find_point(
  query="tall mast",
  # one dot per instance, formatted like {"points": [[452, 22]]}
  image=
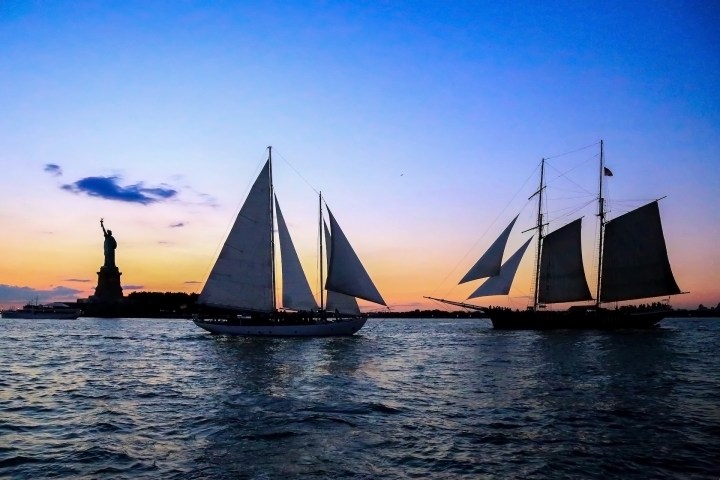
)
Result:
{"points": [[540, 234], [272, 233], [322, 299], [601, 215]]}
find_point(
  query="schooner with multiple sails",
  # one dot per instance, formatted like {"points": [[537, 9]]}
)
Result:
{"points": [[632, 264], [240, 295]]}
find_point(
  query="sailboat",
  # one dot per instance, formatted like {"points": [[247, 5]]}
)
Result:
{"points": [[632, 264], [240, 294]]}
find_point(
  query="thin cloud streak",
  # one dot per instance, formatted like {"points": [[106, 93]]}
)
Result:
{"points": [[14, 294]]}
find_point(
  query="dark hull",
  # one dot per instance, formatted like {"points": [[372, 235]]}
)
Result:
{"points": [[580, 319]]}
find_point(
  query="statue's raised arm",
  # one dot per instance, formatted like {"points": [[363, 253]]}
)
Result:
{"points": [[109, 246]]}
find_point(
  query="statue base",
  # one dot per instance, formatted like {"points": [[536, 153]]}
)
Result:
{"points": [[108, 288]]}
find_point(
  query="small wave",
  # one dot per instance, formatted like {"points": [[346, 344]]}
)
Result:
{"points": [[324, 418], [382, 408], [270, 436], [96, 454], [363, 409], [18, 460]]}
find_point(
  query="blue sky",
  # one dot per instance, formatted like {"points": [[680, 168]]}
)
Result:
{"points": [[418, 120]]}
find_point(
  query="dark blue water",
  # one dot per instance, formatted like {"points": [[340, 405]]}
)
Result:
{"points": [[136, 398]]}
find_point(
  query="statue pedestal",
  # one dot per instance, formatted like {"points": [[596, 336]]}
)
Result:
{"points": [[108, 288]]}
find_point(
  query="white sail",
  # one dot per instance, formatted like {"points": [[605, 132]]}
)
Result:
{"points": [[345, 272], [338, 301], [490, 263], [500, 284], [562, 276], [296, 292], [242, 276], [635, 261]]}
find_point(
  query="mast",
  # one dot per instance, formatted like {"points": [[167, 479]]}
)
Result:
{"points": [[540, 234], [601, 215], [272, 234], [320, 233]]}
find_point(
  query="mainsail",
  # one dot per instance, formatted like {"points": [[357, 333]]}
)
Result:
{"points": [[501, 283], [562, 276], [296, 292], [345, 272], [489, 265], [635, 260], [338, 301], [242, 276]]}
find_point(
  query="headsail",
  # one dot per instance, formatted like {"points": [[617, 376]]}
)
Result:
{"points": [[338, 301], [242, 275], [345, 272], [500, 284], [296, 292], [635, 260], [562, 276], [490, 263]]}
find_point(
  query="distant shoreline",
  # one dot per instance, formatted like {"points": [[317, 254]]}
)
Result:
{"points": [[183, 305]]}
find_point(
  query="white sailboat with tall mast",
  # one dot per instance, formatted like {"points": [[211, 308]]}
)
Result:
{"points": [[239, 297], [632, 264]]}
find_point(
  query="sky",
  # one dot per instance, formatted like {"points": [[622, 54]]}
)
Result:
{"points": [[422, 122]]}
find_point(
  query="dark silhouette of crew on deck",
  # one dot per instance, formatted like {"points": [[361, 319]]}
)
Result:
{"points": [[109, 246]]}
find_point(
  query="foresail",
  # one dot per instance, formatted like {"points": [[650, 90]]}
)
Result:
{"points": [[490, 263], [338, 301], [345, 272], [296, 292], [242, 275], [562, 276], [635, 261], [501, 283]]}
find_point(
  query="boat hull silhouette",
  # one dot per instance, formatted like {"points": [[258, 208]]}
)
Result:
{"points": [[332, 328], [575, 319]]}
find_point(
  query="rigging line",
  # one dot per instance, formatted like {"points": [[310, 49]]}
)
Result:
{"points": [[561, 174], [561, 213], [573, 151], [296, 171]]}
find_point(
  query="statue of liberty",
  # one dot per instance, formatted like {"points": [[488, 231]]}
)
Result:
{"points": [[109, 246]]}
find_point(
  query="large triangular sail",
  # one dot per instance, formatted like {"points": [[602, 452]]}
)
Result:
{"points": [[500, 284], [338, 301], [562, 276], [296, 292], [635, 260], [490, 263], [242, 276], [345, 272]]}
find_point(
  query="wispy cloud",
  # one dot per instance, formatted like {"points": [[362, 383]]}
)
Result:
{"points": [[53, 169], [112, 188], [133, 287], [109, 188], [82, 280], [192, 282]]}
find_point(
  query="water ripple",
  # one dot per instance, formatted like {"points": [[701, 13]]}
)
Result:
{"points": [[135, 398]]}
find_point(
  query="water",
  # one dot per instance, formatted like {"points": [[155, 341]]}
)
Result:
{"points": [[136, 398]]}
